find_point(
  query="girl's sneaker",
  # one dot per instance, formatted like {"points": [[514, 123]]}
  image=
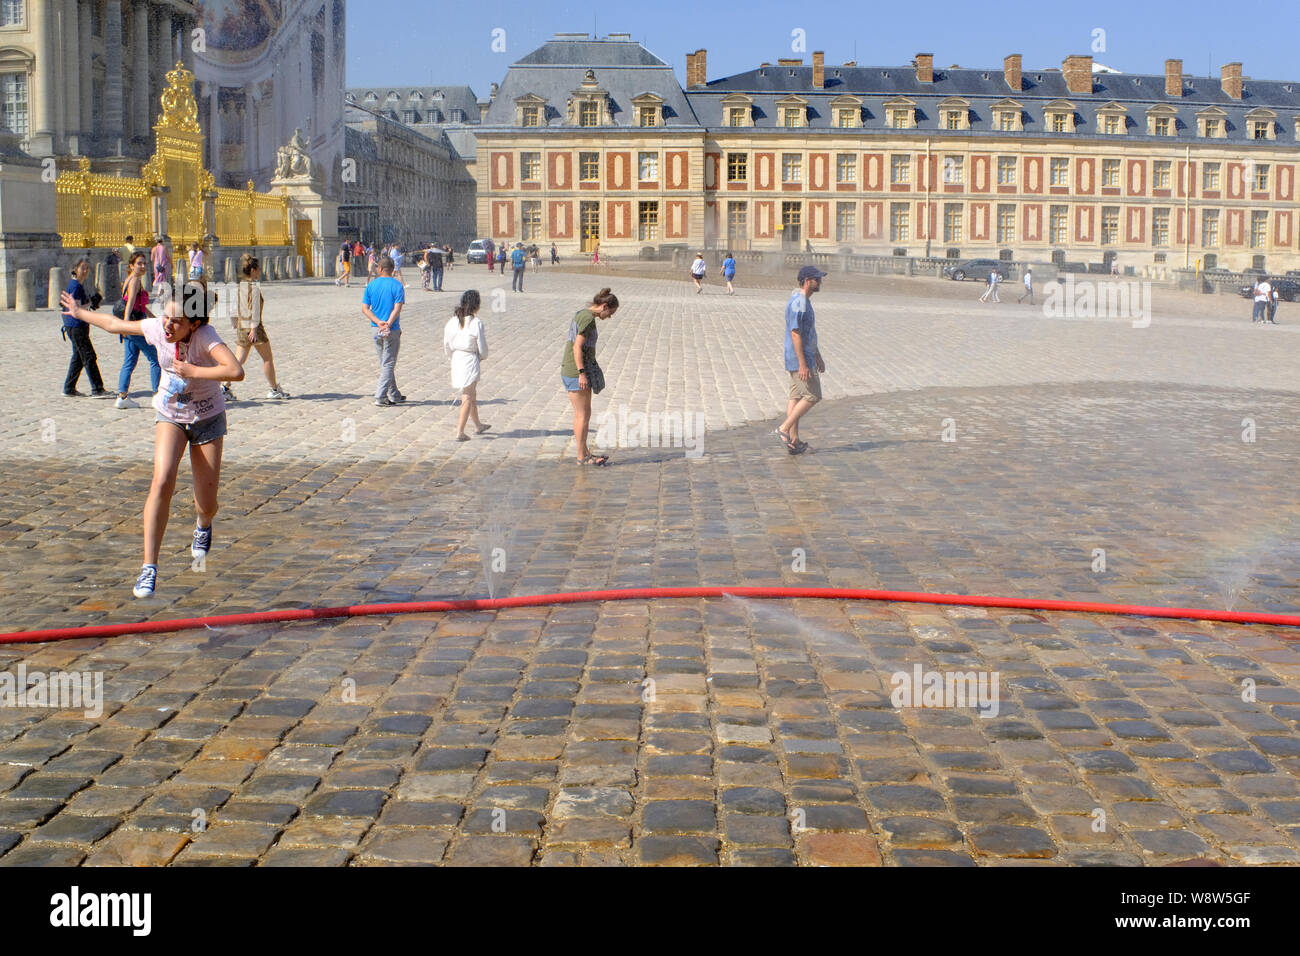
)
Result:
{"points": [[277, 392], [202, 542], [146, 582], [228, 393]]}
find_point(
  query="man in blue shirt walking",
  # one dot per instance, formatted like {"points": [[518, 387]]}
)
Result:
{"points": [[382, 305], [803, 362], [517, 259]]}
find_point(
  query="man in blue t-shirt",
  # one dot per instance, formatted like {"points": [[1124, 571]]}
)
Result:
{"points": [[803, 361], [382, 305], [517, 259]]}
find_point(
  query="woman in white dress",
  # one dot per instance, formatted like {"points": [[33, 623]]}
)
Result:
{"points": [[466, 343]]}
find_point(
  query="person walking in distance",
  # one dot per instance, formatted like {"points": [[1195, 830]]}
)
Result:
{"points": [[425, 275], [436, 265], [490, 258], [196, 261], [729, 272], [382, 305], [1272, 304], [698, 269], [250, 333], [136, 300], [595, 255], [580, 373], [1029, 286], [344, 279], [451, 259], [83, 351], [502, 256], [555, 255], [465, 342], [517, 263], [803, 360], [162, 264], [994, 278], [1263, 295], [190, 411]]}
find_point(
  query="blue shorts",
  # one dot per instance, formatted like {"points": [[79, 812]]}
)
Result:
{"points": [[570, 384]]}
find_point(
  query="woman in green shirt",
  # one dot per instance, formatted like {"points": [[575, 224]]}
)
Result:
{"points": [[579, 351]]}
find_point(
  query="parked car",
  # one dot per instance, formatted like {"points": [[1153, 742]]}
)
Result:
{"points": [[477, 252], [1288, 290], [975, 269]]}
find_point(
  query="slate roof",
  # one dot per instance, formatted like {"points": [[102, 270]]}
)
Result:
{"points": [[983, 88], [624, 69], [424, 99]]}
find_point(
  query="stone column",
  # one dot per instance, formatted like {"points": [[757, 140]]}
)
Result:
{"points": [[187, 43], [113, 119], [214, 124], [87, 75], [44, 114], [159, 52], [140, 91]]}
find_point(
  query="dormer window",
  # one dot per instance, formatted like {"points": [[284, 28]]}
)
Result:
{"points": [[458, 116], [1212, 123], [955, 113], [900, 113], [1008, 116], [589, 113], [530, 110], [1060, 116], [794, 111], [371, 97], [738, 110], [1112, 119], [649, 109], [1161, 120], [847, 111], [1261, 123]]}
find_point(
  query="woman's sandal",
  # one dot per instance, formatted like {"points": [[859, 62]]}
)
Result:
{"points": [[594, 460], [481, 429]]}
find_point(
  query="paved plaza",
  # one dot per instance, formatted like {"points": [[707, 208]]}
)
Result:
{"points": [[964, 447]]}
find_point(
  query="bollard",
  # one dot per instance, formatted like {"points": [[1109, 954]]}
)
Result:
{"points": [[292, 267], [299, 267], [101, 278], [268, 269], [25, 291], [230, 270], [57, 284], [282, 266]]}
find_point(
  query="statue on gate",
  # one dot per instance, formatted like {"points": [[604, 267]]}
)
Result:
{"points": [[292, 160]]}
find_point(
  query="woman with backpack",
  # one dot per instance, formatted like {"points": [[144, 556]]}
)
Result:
{"points": [[134, 309], [249, 332], [465, 342], [190, 411]]}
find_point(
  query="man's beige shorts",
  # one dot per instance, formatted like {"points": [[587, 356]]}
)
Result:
{"points": [[809, 391], [244, 337]]}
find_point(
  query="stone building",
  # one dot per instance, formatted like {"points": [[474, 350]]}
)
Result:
{"points": [[267, 70], [409, 187], [83, 77], [425, 109], [591, 141], [595, 140]]}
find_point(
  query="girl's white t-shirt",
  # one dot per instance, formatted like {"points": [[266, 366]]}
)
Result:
{"points": [[185, 400], [697, 267]]}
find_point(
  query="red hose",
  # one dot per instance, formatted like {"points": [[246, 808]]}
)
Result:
{"points": [[640, 594]]}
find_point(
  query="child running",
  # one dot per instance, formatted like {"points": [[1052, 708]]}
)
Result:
{"points": [[191, 411]]}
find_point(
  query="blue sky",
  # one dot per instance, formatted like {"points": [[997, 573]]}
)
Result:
{"points": [[451, 41]]}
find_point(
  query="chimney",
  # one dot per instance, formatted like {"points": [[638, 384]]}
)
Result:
{"points": [[796, 61], [1078, 73], [695, 69], [1231, 79], [819, 70], [925, 68], [1011, 71], [1173, 77]]}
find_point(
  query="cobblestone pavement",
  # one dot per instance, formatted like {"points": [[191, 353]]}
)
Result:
{"points": [[675, 732]]}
